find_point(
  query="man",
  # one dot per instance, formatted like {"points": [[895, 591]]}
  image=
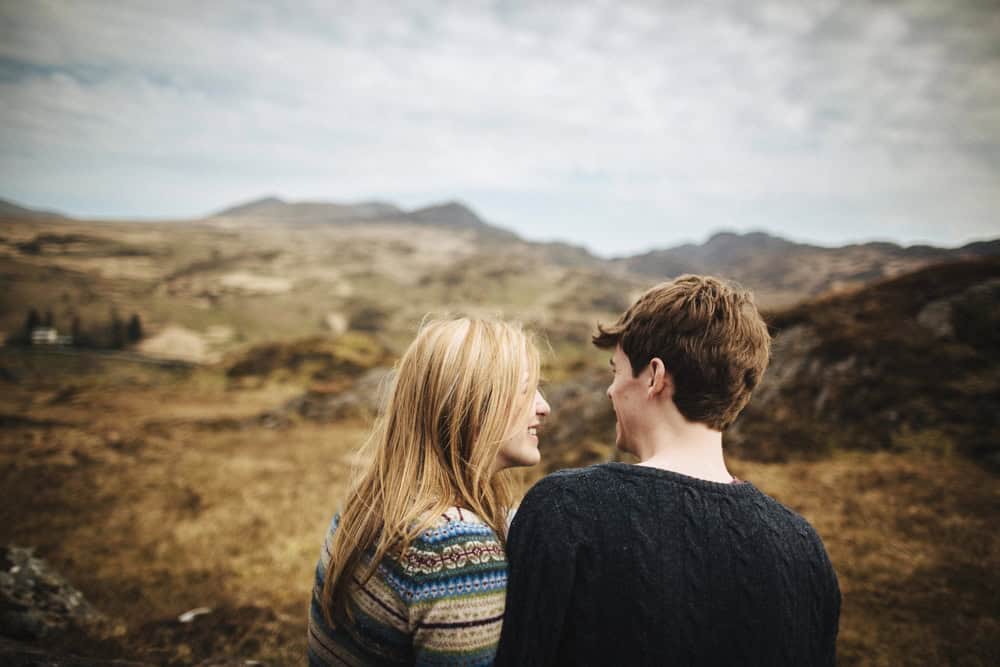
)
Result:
{"points": [[673, 560]]}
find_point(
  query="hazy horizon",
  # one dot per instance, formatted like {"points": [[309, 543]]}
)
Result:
{"points": [[703, 238], [622, 127]]}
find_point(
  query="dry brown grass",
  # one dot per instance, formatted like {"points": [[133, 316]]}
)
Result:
{"points": [[142, 504], [133, 488], [914, 543]]}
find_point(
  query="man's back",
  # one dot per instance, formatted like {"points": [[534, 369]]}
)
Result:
{"points": [[623, 564]]}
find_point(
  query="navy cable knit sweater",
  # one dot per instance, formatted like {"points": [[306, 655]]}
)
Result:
{"points": [[619, 564]]}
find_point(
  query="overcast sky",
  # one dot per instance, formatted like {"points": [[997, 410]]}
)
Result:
{"points": [[621, 126]]}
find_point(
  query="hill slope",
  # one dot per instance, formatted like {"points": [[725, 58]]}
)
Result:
{"points": [[911, 363], [12, 210], [908, 363], [782, 272]]}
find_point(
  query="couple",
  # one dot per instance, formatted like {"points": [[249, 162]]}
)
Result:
{"points": [[670, 561]]}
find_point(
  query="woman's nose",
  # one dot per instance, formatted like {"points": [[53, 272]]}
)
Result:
{"points": [[541, 405]]}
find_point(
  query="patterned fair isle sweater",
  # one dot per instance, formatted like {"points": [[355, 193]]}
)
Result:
{"points": [[440, 603]]}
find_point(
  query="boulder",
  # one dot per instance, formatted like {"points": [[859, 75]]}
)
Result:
{"points": [[18, 654], [35, 601], [361, 399]]}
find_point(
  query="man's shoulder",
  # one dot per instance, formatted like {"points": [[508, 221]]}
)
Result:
{"points": [[791, 530], [569, 489], [558, 510], [777, 512], [570, 480]]}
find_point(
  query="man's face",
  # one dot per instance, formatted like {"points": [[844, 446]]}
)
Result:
{"points": [[628, 396]]}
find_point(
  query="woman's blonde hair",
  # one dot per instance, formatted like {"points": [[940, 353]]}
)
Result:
{"points": [[458, 392]]}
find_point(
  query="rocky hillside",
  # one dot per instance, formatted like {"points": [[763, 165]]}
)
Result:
{"points": [[203, 289], [271, 270], [174, 469], [782, 272], [911, 363]]}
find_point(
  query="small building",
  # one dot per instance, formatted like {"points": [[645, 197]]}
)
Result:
{"points": [[49, 336], [44, 336]]}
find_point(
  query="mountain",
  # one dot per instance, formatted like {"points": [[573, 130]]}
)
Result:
{"points": [[254, 207], [982, 248], [447, 214], [451, 251], [272, 270], [9, 209], [269, 208], [450, 214], [782, 272], [457, 215]]}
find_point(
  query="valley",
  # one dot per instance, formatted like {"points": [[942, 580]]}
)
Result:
{"points": [[199, 466]]}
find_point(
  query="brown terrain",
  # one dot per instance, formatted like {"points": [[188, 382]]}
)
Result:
{"points": [[199, 467]]}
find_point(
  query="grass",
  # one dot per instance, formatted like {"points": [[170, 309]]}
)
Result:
{"points": [[126, 488], [156, 490], [911, 537]]}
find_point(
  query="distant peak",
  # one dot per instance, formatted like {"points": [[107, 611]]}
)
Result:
{"points": [[453, 213], [251, 206], [10, 208], [265, 200], [451, 205], [312, 210], [746, 236]]}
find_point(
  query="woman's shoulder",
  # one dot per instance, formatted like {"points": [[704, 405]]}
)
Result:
{"points": [[456, 540], [456, 522]]}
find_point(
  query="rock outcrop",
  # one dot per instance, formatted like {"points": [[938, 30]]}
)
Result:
{"points": [[361, 399], [909, 363], [36, 602]]}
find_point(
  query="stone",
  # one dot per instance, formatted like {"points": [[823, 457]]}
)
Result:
{"points": [[34, 600]]}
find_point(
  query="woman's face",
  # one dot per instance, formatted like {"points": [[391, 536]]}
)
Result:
{"points": [[521, 448]]}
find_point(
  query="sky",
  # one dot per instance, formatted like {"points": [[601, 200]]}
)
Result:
{"points": [[621, 126]]}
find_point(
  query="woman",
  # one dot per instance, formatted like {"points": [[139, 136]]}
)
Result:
{"points": [[413, 570]]}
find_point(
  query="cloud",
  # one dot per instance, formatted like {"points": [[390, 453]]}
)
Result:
{"points": [[796, 116]]}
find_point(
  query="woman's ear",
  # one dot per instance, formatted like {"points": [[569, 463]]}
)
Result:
{"points": [[660, 381]]}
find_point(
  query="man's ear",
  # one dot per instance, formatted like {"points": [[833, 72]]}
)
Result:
{"points": [[660, 381]]}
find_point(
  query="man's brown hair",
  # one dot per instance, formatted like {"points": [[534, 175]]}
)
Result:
{"points": [[709, 336]]}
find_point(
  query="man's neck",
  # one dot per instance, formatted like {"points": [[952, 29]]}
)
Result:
{"points": [[689, 449]]}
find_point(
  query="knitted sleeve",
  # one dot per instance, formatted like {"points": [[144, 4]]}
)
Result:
{"points": [[830, 610], [455, 577], [541, 568]]}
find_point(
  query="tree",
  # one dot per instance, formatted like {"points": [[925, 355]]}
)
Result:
{"points": [[117, 332], [134, 329], [76, 331], [31, 323]]}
